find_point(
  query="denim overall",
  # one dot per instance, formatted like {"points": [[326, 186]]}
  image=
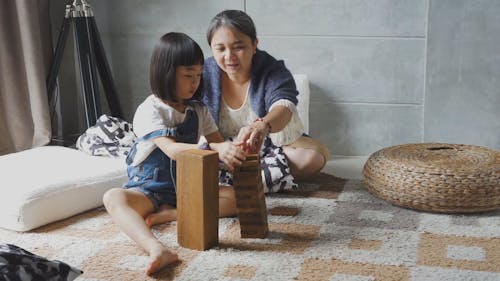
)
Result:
{"points": [[156, 176]]}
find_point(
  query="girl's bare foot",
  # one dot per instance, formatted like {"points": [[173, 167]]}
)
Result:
{"points": [[160, 257], [165, 213]]}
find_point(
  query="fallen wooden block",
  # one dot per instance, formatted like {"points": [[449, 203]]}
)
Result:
{"points": [[284, 211], [198, 199], [250, 200]]}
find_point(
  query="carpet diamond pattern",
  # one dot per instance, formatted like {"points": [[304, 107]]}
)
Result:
{"points": [[331, 229]]}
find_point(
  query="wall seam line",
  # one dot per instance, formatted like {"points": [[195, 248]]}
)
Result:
{"points": [[424, 94]]}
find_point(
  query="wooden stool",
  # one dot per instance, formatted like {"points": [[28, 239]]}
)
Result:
{"points": [[250, 200], [198, 199]]}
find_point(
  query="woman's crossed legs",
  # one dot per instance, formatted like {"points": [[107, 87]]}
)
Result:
{"points": [[306, 157]]}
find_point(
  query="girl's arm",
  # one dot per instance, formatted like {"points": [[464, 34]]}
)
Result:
{"points": [[231, 153], [172, 148]]}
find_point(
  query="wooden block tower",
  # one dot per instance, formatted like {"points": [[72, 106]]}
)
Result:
{"points": [[250, 200], [198, 199]]}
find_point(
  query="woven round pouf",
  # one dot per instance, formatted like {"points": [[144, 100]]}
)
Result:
{"points": [[436, 177]]}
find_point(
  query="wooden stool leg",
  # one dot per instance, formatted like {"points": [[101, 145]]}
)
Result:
{"points": [[198, 199], [250, 200]]}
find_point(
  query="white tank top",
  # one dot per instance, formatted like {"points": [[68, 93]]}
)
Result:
{"points": [[232, 119]]}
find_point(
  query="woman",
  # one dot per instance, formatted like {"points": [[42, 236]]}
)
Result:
{"points": [[252, 95]]}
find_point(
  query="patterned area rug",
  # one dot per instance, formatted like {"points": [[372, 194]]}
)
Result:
{"points": [[331, 230]]}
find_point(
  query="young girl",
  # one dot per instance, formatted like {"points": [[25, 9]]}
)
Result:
{"points": [[169, 121]]}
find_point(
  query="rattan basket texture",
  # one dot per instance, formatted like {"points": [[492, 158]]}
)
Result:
{"points": [[436, 177]]}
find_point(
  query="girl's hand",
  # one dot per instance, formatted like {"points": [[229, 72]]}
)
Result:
{"points": [[231, 153], [253, 135]]}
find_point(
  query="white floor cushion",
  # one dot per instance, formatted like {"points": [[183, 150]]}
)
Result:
{"points": [[50, 183]]}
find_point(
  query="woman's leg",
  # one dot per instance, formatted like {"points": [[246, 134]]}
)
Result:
{"points": [[167, 213], [227, 202], [128, 208], [306, 157]]}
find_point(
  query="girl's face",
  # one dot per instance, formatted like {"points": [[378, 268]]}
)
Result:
{"points": [[233, 51], [187, 80]]}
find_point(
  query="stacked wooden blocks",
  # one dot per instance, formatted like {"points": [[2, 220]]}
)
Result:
{"points": [[198, 199], [250, 200]]}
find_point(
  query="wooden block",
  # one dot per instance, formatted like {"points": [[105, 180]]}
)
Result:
{"points": [[250, 158], [284, 211], [250, 199], [198, 199]]}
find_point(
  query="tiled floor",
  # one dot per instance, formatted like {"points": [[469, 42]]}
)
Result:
{"points": [[349, 167]]}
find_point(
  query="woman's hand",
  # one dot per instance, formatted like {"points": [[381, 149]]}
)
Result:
{"points": [[253, 135], [231, 153]]}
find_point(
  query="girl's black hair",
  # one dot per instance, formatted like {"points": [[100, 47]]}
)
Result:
{"points": [[172, 50], [233, 19]]}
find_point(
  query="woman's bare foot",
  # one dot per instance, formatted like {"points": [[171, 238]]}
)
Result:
{"points": [[160, 257], [165, 213]]}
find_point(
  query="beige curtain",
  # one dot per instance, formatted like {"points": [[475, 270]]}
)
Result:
{"points": [[25, 53]]}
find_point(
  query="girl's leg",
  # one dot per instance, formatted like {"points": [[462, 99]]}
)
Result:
{"points": [[128, 208], [306, 157]]}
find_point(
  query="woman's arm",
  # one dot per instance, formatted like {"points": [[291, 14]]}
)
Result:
{"points": [[273, 82], [253, 135], [277, 118]]}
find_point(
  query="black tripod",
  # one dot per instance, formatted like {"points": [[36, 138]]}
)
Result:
{"points": [[90, 53]]}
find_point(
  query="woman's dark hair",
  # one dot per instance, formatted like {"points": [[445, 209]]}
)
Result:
{"points": [[172, 50], [233, 19]]}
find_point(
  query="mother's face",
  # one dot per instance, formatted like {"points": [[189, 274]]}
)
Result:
{"points": [[233, 51]]}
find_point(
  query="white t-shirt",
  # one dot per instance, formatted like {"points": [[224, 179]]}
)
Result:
{"points": [[153, 114], [231, 120]]}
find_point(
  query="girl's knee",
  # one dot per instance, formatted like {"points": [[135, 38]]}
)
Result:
{"points": [[112, 196]]}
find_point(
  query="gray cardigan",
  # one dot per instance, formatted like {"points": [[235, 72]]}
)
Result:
{"points": [[270, 81]]}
